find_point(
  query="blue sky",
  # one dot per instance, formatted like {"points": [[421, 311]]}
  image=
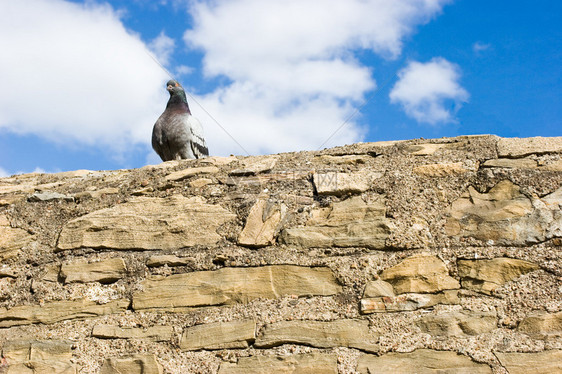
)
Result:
{"points": [[81, 91]]}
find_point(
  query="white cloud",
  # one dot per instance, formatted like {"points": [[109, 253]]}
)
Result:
{"points": [[3, 173], [294, 77], [479, 47], [163, 47], [73, 74], [425, 89]]}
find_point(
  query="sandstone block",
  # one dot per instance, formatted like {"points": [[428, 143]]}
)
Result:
{"points": [[340, 333], [169, 260], [541, 324], [49, 196], [440, 170], [421, 361], [420, 274], [337, 183], [234, 285], [105, 271], [38, 357], [407, 302], [42, 367], [219, 335], [262, 224], [254, 165], [510, 163], [459, 323], [378, 288], [134, 364], [147, 223], [156, 333], [57, 311], [349, 223], [11, 239], [519, 147], [189, 172], [532, 363], [487, 275], [310, 363]]}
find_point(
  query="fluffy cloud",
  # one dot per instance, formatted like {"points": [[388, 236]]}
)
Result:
{"points": [[73, 74], [292, 66], [425, 91], [162, 46]]}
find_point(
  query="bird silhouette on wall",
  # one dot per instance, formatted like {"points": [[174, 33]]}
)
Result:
{"points": [[177, 134]]}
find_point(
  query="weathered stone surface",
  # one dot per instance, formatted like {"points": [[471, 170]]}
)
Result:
{"points": [[532, 363], [200, 182], [420, 274], [105, 271], [219, 335], [425, 149], [311, 363], [147, 223], [542, 324], [343, 159], [57, 311], [169, 260], [234, 285], [96, 194], [340, 333], [458, 323], [189, 172], [407, 302], [421, 361], [510, 163], [505, 216], [156, 333], [134, 364], [519, 147], [262, 224], [350, 223], [378, 288], [38, 357], [337, 183], [11, 239], [440, 170], [254, 165], [49, 196], [487, 275]]}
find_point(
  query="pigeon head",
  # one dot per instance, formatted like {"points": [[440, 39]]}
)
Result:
{"points": [[173, 86], [177, 94]]}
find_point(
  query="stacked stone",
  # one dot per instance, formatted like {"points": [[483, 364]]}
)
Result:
{"points": [[394, 257]]}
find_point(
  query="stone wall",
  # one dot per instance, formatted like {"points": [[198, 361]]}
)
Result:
{"points": [[419, 256]]}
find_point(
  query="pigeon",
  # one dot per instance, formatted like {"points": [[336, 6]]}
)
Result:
{"points": [[177, 134]]}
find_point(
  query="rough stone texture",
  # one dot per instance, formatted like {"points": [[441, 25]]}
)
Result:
{"points": [[542, 324], [11, 239], [519, 147], [49, 196], [459, 323], [350, 223], [532, 363], [234, 285], [219, 335], [313, 363], [341, 333], [336, 183], [378, 288], [168, 260], [57, 311], [519, 163], [262, 224], [440, 170], [147, 223], [407, 302], [421, 361], [156, 333], [38, 357], [134, 364], [105, 271], [487, 275], [420, 274], [189, 172]]}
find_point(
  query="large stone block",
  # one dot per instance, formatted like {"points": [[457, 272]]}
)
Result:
{"points": [[105, 271], [234, 285], [337, 183], [57, 311], [349, 223], [460, 323], [531, 363], [12, 240], [421, 361], [219, 335], [156, 333], [262, 224], [311, 363], [340, 333], [487, 275], [519, 147], [541, 324], [134, 364], [147, 223], [408, 302], [38, 357]]}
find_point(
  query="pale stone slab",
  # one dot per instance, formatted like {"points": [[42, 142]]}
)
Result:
{"points": [[421, 361], [133, 364], [519, 147], [310, 363], [169, 260], [38, 357], [440, 170], [105, 271], [542, 324], [156, 333], [189, 172], [408, 302], [262, 224], [57, 311], [459, 323], [532, 363], [378, 288], [234, 285], [147, 223], [487, 275], [12, 240], [510, 163], [337, 183], [420, 274], [219, 335], [42, 367], [49, 196], [340, 333], [349, 223]]}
